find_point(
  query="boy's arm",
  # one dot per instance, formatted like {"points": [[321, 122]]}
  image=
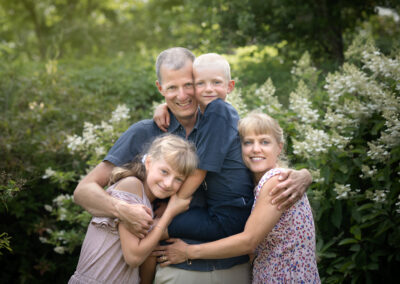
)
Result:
{"points": [[161, 117], [191, 184], [90, 194], [293, 184]]}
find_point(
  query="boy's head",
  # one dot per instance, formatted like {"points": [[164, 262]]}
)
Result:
{"points": [[212, 78]]}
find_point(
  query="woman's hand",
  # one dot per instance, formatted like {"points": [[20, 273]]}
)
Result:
{"points": [[161, 117], [171, 254], [291, 188]]}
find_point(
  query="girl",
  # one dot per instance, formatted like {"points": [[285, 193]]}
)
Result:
{"points": [[284, 242], [110, 253]]}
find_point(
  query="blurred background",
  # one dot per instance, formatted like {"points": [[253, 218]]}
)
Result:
{"points": [[74, 74]]}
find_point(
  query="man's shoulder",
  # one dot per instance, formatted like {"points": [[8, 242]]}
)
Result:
{"points": [[143, 125]]}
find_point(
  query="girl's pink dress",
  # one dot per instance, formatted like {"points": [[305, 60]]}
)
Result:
{"points": [[287, 254], [101, 259]]}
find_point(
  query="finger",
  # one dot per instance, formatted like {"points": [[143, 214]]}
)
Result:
{"points": [[167, 120], [289, 202], [148, 210], [165, 263], [171, 240], [284, 175], [281, 197]]}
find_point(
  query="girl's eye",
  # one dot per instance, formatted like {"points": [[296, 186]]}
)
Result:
{"points": [[180, 180], [164, 172]]}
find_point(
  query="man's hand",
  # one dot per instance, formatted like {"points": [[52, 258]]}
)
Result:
{"points": [[291, 188], [161, 117], [136, 217]]}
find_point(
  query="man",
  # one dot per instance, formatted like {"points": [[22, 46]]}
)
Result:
{"points": [[175, 83]]}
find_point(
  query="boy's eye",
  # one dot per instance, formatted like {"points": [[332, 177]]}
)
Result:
{"points": [[217, 82], [199, 84]]}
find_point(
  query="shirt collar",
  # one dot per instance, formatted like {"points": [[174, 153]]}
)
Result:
{"points": [[174, 123]]}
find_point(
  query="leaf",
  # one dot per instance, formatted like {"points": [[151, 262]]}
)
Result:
{"points": [[356, 231], [348, 241], [336, 216]]}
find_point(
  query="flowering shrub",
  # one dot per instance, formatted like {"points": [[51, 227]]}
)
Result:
{"points": [[344, 128], [69, 228]]}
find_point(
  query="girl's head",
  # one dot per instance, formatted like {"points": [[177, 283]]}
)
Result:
{"points": [[169, 160], [262, 142]]}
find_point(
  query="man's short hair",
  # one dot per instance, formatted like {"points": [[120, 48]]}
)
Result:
{"points": [[173, 58], [214, 60]]}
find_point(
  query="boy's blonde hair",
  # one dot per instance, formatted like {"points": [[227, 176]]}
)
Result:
{"points": [[177, 152], [215, 60], [259, 123]]}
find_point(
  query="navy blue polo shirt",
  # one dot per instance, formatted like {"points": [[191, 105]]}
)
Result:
{"points": [[135, 141]]}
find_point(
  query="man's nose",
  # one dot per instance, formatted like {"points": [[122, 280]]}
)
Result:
{"points": [[182, 94]]}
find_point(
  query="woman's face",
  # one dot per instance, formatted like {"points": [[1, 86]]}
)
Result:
{"points": [[260, 152], [162, 180]]}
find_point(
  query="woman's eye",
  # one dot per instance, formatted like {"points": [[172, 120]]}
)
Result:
{"points": [[265, 142]]}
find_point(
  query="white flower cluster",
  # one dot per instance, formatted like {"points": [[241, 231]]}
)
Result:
{"points": [[379, 195], [303, 68], [120, 113], [34, 105], [316, 176], [398, 204], [59, 200], [316, 141], [368, 172], [301, 104], [48, 173], [380, 64], [90, 134], [343, 190], [269, 103], [235, 99]]}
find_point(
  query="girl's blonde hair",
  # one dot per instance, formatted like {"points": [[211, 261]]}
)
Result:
{"points": [[177, 152], [259, 123]]}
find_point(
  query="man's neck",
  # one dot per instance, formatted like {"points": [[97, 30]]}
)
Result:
{"points": [[188, 123]]}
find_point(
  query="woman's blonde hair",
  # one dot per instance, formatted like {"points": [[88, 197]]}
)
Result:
{"points": [[177, 152], [259, 123]]}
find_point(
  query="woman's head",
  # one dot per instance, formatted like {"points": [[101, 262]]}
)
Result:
{"points": [[262, 142], [170, 159]]}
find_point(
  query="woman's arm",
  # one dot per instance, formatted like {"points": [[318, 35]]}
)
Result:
{"points": [[135, 250], [260, 223]]}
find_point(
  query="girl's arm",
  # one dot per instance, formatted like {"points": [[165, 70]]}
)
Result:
{"points": [[261, 221], [136, 250]]}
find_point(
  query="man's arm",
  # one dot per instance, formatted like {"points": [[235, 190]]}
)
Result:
{"points": [[291, 188], [90, 194]]}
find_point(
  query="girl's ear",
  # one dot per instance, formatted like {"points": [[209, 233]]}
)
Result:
{"points": [[147, 163]]}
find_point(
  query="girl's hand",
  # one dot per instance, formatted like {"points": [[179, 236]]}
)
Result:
{"points": [[161, 117], [171, 254], [177, 205]]}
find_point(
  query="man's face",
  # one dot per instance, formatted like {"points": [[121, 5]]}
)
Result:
{"points": [[178, 90]]}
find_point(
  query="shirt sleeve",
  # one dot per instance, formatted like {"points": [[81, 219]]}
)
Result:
{"points": [[132, 142]]}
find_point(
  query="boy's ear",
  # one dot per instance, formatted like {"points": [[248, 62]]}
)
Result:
{"points": [[231, 86]]}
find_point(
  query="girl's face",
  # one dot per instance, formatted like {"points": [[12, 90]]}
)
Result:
{"points": [[260, 153], [162, 181]]}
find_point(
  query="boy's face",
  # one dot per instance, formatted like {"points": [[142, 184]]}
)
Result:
{"points": [[211, 83]]}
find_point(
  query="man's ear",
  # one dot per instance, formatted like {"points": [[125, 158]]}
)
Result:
{"points": [[231, 86], [159, 87]]}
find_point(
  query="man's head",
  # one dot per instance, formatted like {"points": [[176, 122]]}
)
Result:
{"points": [[212, 77], [175, 81]]}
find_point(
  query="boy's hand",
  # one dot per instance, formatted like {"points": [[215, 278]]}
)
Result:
{"points": [[161, 117], [291, 188]]}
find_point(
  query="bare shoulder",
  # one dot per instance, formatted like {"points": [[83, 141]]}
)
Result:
{"points": [[269, 185], [130, 184]]}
